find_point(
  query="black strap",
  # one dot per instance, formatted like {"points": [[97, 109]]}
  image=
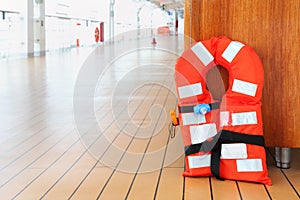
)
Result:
{"points": [[215, 161], [201, 147], [235, 137], [189, 109], [223, 137], [214, 146]]}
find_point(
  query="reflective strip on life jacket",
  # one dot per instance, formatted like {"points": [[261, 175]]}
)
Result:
{"points": [[199, 161], [234, 151], [232, 50], [243, 118], [228, 141], [224, 118], [236, 119], [202, 53], [191, 118], [244, 87], [249, 165], [201, 133], [190, 90]]}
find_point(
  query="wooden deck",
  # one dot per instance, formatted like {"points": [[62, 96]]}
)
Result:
{"points": [[46, 155]]}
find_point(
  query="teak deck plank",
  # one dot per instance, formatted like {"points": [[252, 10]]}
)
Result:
{"points": [[170, 185], [197, 188], [224, 189]]}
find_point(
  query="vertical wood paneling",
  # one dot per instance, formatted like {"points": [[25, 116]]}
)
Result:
{"points": [[271, 27], [187, 17]]}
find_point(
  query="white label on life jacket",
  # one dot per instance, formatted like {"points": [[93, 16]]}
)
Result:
{"points": [[234, 151], [190, 90], [244, 87], [202, 53], [249, 165], [244, 118], [199, 161], [202, 132], [232, 50], [224, 118], [191, 118]]}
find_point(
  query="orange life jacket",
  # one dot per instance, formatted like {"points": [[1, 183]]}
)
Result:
{"points": [[226, 142]]}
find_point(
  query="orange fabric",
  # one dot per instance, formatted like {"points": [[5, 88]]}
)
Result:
{"points": [[245, 66]]}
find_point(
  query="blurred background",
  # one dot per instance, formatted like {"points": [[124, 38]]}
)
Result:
{"points": [[32, 27]]}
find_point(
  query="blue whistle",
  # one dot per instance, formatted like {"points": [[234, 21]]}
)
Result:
{"points": [[201, 109]]}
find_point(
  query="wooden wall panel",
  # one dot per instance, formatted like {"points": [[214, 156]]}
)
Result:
{"points": [[272, 28]]}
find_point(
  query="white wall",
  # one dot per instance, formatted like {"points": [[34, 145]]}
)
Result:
{"points": [[13, 29]]}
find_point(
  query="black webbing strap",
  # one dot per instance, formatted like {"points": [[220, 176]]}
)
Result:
{"points": [[201, 147], [214, 146], [189, 109], [215, 161], [235, 137]]}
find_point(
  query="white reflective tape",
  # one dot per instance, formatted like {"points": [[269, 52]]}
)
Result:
{"points": [[244, 118], [249, 165], [202, 53], [224, 118], [202, 132], [232, 50], [234, 151], [190, 90], [199, 161], [244, 87], [191, 118]]}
